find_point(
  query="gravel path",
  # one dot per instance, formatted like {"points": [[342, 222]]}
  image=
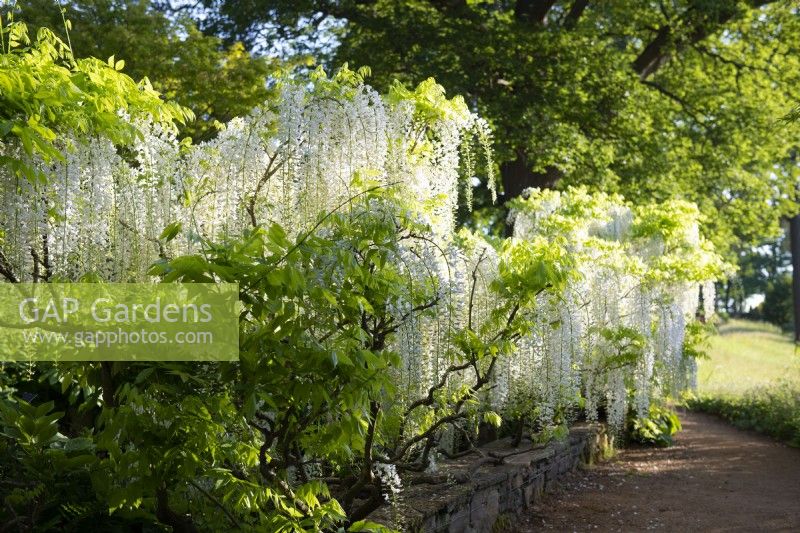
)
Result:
{"points": [[715, 478]]}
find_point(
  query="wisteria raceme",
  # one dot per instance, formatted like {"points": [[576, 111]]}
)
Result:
{"points": [[614, 334], [375, 336], [624, 311], [390, 479], [290, 162], [287, 162]]}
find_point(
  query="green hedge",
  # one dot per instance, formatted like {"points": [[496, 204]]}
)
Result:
{"points": [[773, 410]]}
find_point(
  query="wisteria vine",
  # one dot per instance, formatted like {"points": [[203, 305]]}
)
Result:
{"points": [[585, 307]]}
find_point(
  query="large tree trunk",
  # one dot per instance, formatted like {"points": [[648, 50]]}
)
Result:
{"points": [[794, 236], [517, 176], [533, 10], [728, 304]]}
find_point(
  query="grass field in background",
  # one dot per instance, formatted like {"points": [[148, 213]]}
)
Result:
{"points": [[745, 355], [752, 379]]}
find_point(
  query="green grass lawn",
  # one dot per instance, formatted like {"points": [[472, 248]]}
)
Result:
{"points": [[752, 379], [745, 355]]}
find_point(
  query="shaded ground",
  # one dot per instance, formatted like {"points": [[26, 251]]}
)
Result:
{"points": [[715, 478]]}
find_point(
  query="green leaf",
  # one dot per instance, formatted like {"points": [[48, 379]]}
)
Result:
{"points": [[492, 418], [171, 231]]}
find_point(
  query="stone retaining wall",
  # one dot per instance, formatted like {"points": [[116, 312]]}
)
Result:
{"points": [[475, 493]]}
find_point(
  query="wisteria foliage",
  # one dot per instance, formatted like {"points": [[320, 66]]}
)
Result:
{"points": [[103, 213], [619, 326], [584, 307]]}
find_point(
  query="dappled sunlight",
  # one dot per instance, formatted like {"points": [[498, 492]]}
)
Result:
{"points": [[450, 229], [715, 478]]}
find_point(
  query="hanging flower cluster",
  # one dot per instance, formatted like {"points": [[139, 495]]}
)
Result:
{"points": [[104, 210], [111, 213], [616, 333], [334, 208]]}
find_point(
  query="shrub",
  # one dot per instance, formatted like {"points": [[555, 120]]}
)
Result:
{"points": [[777, 306], [656, 429], [774, 411]]}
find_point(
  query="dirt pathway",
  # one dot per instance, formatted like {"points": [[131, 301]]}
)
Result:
{"points": [[715, 478]]}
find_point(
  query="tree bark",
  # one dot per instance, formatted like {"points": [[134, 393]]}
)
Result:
{"points": [[575, 12], [728, 306], [165, 515], [653, 55], [517, 176], [703, 23], [794, 236], [533, 10]]}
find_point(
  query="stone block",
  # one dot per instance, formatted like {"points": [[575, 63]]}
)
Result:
{"points": [[474, 505]]}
